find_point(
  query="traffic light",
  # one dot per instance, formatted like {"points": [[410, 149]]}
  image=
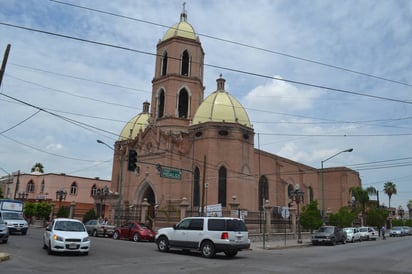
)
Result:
{"points": [[132, 161]]}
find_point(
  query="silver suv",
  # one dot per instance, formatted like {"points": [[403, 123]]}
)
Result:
{"points": [[210, 235]]}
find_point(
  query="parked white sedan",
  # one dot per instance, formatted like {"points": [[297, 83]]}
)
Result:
{"points": [[66, 235], [352, 234]]}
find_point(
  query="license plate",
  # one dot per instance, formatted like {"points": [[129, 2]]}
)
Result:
{"points": [[72, 246]]}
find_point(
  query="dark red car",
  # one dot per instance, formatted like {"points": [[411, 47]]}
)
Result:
{"points": [[134, 231]]}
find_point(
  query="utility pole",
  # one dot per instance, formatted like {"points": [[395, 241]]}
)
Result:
{"points": [[3, 64]]}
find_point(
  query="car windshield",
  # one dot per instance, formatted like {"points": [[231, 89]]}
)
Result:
{"points": [[12, 216], [69, 226], [396, 228], [326, 229], [349, 230]]}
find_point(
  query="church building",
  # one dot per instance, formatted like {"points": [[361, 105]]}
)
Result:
{"points": [[197, 146]]}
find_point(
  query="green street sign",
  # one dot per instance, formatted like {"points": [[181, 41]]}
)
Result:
{"points": [[171, 173]]}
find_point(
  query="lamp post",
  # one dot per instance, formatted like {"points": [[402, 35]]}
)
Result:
{"points": [[60, 196], [101, 194], [119, 201], [23, 195], [297, 196], [323, 179]]}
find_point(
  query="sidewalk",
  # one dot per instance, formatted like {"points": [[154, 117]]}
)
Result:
{"points": [[279, 244]]}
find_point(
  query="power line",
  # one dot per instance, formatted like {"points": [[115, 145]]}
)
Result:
{"points": [[213, 66], [240, 44]]}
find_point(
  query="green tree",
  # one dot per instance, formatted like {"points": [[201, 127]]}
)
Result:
{"points": [[43, 210], [310, 217], [377, 216], [29, 210], [362, 198], [343, 218], [63, 212], [390, 189], [91, 214], [38, 167]]}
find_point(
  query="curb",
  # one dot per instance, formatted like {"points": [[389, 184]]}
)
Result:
{"points": [[4, 256]]}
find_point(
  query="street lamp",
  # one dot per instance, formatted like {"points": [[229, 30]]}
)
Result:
{"points": [[101, 194], [297, 196], [119, 202], [61, 195], [23, 195], [323, 179]]}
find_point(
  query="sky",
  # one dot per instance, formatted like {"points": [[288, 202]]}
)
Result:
{"points": [[316, 78]]}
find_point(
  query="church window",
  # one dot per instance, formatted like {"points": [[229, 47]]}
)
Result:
{"points": [[222, 186], [73, 189], [164, 64], [263, 191], [290, 190], [198, 134], [310, 194], [196, 188], [185, 63], [42, 186], [30, 186], [223, 132], [161, 104], [93, 191], [183, 106]]}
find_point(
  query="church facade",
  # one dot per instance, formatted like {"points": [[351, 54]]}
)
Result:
{"points": [[200, 150]]}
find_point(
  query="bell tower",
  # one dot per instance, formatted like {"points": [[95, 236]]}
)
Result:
{"points": [[177, 86]]}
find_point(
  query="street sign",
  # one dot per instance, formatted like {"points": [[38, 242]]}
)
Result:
{"points": [[170, 173]]}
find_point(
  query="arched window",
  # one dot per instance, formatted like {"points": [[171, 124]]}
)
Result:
{"points": [[196, 188], [42, 186], [263, 191], [290, 190], [183, 106], [93, 191], [310, 194], [185, 63], [221, 199], [164, 64], [30, 186], [73, 189], [161, 103]]}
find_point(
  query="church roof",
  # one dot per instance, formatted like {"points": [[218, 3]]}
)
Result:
{"points": [[181, 29], [136, 124], [220, 106]]}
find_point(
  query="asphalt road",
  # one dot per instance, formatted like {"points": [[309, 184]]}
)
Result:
{"points": [[110, 256]]}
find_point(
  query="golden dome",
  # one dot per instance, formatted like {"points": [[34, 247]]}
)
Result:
{"points": [[181, 29], [220, 106], [136, 124]]}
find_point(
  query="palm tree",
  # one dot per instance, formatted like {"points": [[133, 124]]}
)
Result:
{"points": [[38, 167], [362, 197], [389, 188]]}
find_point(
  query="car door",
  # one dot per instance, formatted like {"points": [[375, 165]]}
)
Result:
{"points": [[179, 236]]}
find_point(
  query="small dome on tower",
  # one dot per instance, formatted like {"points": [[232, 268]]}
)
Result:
{"points": [[136, 124], [220, 106], [181, 29]]}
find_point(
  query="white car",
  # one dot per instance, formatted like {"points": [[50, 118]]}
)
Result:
{"points": [[207, 234], [373, 233], [352, 234], [66, 235]]}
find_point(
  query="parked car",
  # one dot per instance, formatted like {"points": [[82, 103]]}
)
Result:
{"points": [[397, 231], [364, 232], [373, 234], [134, 231], [66, 235], [4, 231], [99, 228], [408, 230], [209, 235], [352, 234], [329, 235]]}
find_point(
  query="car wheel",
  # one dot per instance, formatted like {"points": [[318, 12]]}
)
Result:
{"points": [[49, 250], [207, 249], [333, 241], [136, 237], [231, 253], [5, 241], [85, 253], [116, 235], [94, 233], [163, 244]]}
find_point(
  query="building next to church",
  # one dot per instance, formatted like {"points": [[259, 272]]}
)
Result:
{"points": [[197, 147]]}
